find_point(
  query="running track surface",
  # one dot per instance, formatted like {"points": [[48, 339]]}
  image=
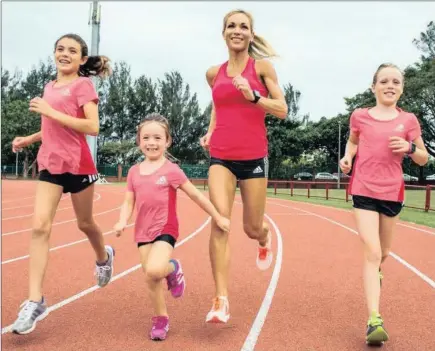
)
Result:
{"points": [[311, 299]]}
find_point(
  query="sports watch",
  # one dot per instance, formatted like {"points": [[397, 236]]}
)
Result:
{"points": [[412, 148], [257, 96]]}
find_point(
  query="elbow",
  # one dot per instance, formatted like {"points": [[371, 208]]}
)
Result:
{"points": [[94, 131], [283, 112], [424, 160]]}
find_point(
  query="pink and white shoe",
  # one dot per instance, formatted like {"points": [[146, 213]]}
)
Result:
{"points": [[176, 281], [265, 254], [220, 311], [160, 328]]}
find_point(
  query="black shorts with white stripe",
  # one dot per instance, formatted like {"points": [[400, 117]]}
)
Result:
{"points": [[71, 183], [244, 169]]}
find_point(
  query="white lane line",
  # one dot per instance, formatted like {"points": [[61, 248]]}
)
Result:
{"points": [[350, 211], [419, 229], [255, 331], [114, 278], [63, 222], [61, 246], [392, 254], [59, 209], [289, 214], [13, 208]]}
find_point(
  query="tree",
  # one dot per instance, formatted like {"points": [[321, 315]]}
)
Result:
{"points": [[419, 98], [426, 43], [183, 113], [117, 120], [16, 118], [284, 135]]}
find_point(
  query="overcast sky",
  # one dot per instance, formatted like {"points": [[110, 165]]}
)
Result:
{"points": [[328, 50]]}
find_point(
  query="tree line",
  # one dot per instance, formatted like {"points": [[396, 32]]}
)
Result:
{"points": [[295, 144]]}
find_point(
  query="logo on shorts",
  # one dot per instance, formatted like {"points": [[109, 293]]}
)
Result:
{"points": [[84, 180], [162, 181], [257, 170]]}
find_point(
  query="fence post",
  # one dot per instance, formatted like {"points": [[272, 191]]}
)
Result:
{"points": [[274, 186], [291, 188], [119, 172], [347, 192], [205, 181], [34, 170], [308, 188], [427, 204], [327, 191]]}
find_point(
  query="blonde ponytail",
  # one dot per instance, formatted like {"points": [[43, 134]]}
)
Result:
{"points": [[259, 48]]}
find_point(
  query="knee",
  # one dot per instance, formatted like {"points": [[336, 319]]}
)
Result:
{"points": [[154, 273], [385, 254], [374, 256], [85, 225], [253, 230], [41, 229]]}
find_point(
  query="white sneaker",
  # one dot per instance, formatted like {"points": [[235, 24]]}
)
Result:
{"points": [[265, 254], [220, 311]]}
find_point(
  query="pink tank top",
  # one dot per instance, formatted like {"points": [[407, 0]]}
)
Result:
{"points": [[240, 132]]}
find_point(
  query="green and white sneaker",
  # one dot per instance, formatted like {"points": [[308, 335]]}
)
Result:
{"points": [[31, 312], [104, 271], [381, 276], [376, 333]]}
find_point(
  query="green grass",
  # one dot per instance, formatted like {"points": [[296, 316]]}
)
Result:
{"points": [[408, 214], [413, 198]]}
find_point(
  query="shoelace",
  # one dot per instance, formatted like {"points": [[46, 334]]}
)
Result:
{"points": [[173, 279], [28, 309], [375, 321], [262, 252], [217, 303], [159, 322], [99, 270]]}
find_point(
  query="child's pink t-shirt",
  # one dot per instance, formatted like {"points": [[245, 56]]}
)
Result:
{"points": [[377, 171], [156, 200], [63, 149]]}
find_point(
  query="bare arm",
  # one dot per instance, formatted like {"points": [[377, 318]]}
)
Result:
{"points": [[35, 137], [212, 123], [210, 76], [191, 191], [200, 199], [276, 104], [420, 156], [127, 208], [352, 145], [90, 125]]}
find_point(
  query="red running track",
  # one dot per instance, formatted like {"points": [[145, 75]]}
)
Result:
{"points": [[310, 299]]}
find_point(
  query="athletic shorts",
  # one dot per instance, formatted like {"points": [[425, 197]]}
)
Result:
{"points": [[387, 208], [164, 237], [244, 169], [71, 183]]}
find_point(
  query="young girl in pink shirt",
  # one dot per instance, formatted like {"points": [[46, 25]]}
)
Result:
{"points": [[68, 112], [379, 138], [152, 186]]}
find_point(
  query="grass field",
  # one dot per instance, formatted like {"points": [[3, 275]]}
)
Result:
{"points": [[337, 199]]}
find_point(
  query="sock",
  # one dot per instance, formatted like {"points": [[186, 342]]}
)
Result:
{"points": [[40, 301], [105, 262], [175, 264]]}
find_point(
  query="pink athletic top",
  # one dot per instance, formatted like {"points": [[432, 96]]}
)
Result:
{"points": [[377, 171], [63, 149], [240, 132], [156, 200]]}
